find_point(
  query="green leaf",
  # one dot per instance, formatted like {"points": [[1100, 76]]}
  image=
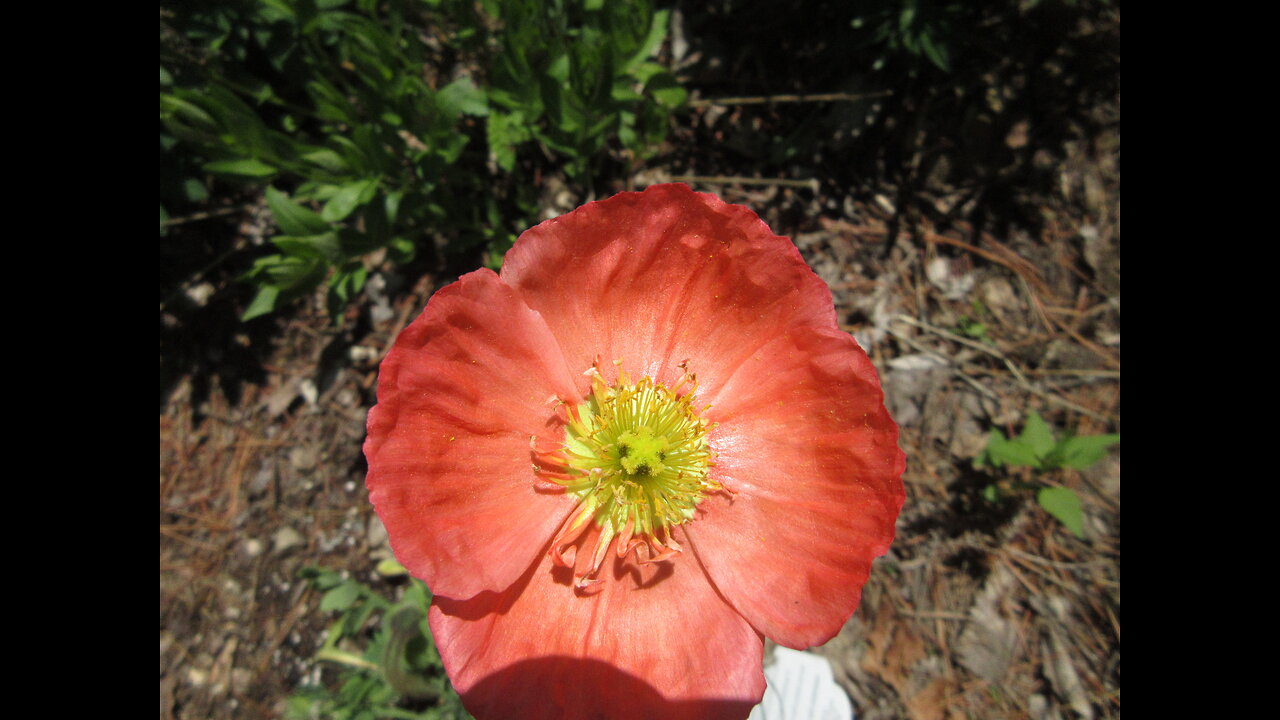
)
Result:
{"points": [[391, 568], [354, 157], [326, 159], [505, 132], [907, 17], [559, 69], [937, 54], [242, 168], [239, 119], [1064, 505], [463, 97], [372, 141], [263, 303], [653, 41], [646, 70], [404, 628], [666, 91], [402, 250], [287, 273], [1009, 452], [187, 113], [194, 190], [1082, 452], [321, 578], [348, 198], [1037, 435], [330, 103], [341, 597], [624, 91], [292, 218], [323, 246]]}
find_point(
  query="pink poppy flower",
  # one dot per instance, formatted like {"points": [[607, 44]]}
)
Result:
{"points": [[628, 458]]}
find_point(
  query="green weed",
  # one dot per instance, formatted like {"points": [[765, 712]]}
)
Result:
{"points": [[1037, 449], [390, 665]]}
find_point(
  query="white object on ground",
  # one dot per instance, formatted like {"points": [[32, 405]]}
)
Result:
{"points": [[801, 687]]}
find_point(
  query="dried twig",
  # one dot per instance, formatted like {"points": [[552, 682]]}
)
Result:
{"points": [[770, 99], [202, 215], [1017, 372], [811, 183]]}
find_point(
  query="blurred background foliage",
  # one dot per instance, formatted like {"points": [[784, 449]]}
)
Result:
{"points": [[372, 127], [380, 130]]}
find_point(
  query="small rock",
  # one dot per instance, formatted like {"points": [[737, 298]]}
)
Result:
{"points": [[309, 392], [1039, 709], [944, 276], [998, 296], [362, 354], [303, 458], [989, 639], [286, 538], [200, 294], [279, 400], [240, 680], [262, 479], [910, 378], [166, 642], [377, 534], [346, 397], [381, 312], [1062, 675]]}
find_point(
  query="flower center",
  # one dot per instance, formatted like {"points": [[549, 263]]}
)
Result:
{"points": [[637, 457]]}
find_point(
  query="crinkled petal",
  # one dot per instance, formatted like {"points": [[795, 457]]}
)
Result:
{"points": [[669, 647], [450, 470], [662, 276], [811, 457]]}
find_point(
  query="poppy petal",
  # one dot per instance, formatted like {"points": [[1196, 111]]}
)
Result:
{"points": [[450, 473], [811, 460], [667, 647], [662, 276]]}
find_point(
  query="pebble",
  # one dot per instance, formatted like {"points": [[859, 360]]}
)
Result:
{"points": [[377, 535], [200, 294], [253, 547], [347, 397], [285, 538], [240, 680], [303, 458], [309, 391]]}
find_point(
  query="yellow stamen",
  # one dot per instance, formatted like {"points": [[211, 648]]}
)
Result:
{"points": [[637, 457]]}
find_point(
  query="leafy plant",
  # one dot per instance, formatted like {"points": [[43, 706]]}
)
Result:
{"points": [[573, 75], [396, 674], [334, 106], [1037, 449], [918, 29]]}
